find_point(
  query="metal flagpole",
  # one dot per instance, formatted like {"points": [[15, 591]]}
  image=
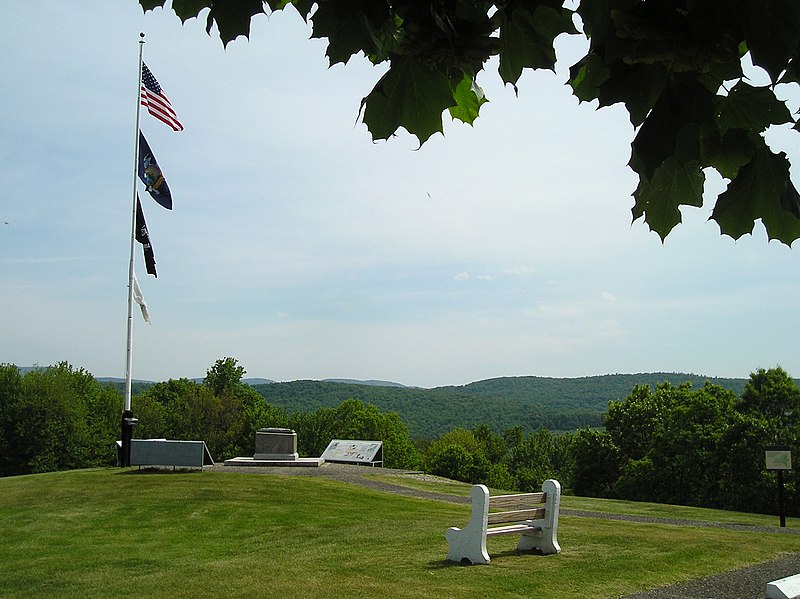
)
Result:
{"points": [[128, 421]]}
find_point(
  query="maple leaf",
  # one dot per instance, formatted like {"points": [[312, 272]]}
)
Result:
{"points": [[751, 108], [674, 183], [762, 190], [469, 99], [773, 33], [527, 36], [411, 95], [188, 9], [351, 26]]}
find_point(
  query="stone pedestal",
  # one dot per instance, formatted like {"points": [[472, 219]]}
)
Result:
{"points": [[276, 444], [275, 447]]}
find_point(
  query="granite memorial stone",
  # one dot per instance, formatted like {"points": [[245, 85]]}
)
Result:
{"points": [[276, 444]]}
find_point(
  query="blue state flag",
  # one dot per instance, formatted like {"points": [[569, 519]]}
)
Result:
{"points": [[151, 175]]}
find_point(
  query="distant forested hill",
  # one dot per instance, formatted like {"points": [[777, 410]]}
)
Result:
{"points": [[501, 403], [119, 384], [589, 392]]}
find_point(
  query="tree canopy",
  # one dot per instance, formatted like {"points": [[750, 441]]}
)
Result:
{"points": [[55, 418], [704, 447], [676, 66]]}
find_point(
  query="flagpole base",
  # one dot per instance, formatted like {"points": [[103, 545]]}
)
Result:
{"points": [[127, 424]]}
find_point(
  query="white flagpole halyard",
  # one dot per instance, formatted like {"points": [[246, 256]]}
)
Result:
{"points": [[128, 421]]}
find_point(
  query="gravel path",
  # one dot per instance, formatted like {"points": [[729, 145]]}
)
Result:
{"points": [[743, 583]]}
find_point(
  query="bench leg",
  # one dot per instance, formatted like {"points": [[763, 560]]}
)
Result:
{"points": [[470, 542], [547, 541], [545, 544]]}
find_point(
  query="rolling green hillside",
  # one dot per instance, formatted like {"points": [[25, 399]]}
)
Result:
{"points": [[428, 413], [502, 403], [559, 404], [592, 392]]}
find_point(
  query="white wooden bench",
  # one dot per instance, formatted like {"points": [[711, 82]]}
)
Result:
{"points": [[533, 516]]}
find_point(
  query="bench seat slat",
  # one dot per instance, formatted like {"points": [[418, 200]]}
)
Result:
{"points": [[515, 516], [519, 500], [513, 529]]}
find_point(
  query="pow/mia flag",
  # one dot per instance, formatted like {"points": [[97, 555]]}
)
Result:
{"points": [[143, 236]]}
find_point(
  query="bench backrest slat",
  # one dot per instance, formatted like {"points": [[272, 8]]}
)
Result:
{"points": [[515, 516], [521, 500]]}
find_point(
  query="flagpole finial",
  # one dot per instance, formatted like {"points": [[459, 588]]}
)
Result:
{"points": [[141, 36]]}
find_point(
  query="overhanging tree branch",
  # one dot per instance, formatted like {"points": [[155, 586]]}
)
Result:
{"points": [[676, 65]]}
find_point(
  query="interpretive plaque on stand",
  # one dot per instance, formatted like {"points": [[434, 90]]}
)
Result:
{"points": [[349, 451]]}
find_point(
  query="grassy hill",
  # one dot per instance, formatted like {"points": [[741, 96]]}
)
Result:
{"points": [[122, 533]]}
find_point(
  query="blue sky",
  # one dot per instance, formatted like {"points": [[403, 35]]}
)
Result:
{"points": [[306, 251]]}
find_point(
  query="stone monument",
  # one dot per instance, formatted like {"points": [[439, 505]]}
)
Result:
{"points": [[276, 444], [275, 447]]}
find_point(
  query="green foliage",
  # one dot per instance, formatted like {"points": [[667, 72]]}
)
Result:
{"points": [[590, 392], [676, 66], [256, 414], [56, 418], [226, 413], [510, 461], [152, 415], [494, 446], [699, 447], [773, 395], [459, 455], [223, 411], [352, 419], [675, 457], [453, 461], [224, 375], [743, 483], [501, 403], [10, 396], [668, 443], [633, 423], [768, 413], [688, 449], [539, 456], [597, 464]]}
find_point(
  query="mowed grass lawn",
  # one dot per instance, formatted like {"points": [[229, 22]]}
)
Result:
{"points": [[120, 533]]}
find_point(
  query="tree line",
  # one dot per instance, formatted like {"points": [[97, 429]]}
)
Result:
{"points": [[429, 413], [57, 418], [670, 443], [532, 402]]}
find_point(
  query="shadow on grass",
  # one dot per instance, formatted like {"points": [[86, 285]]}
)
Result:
{"points": [[164, 470], [444, 564]]}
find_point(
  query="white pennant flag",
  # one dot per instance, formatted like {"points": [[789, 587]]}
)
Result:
{"points": [[137, 295]]}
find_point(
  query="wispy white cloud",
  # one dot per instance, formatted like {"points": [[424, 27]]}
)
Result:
{"points": [[519, 270]]}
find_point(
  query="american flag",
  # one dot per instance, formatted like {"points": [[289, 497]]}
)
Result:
{"points": [[152, 96]]}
